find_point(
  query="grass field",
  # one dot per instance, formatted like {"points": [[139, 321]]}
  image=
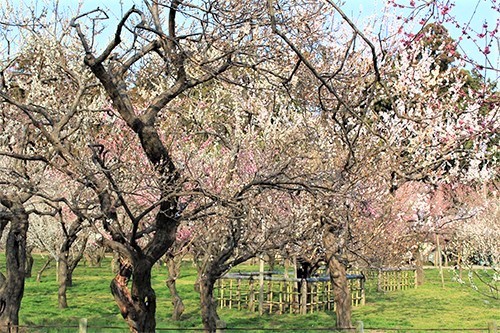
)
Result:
{"points": [[454, 307]]}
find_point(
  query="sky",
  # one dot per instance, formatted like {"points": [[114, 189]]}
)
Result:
{"points": [[476, 12]]}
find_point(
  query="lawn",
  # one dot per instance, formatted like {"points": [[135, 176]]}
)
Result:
{"points": [[431, 306]]}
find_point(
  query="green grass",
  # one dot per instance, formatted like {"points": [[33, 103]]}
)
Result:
{"points": [[429, 307]]}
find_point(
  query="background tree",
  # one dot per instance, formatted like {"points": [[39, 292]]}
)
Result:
{"points": [[60, 237], [473, 239], [21, 175], [443, 131], [173, 260], [11, 289], [240, 166], [37, 113]]}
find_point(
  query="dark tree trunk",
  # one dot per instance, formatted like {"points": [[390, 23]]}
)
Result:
{"points": [[137, 304], [11, 291], [304, 271], [209, 270], [72, 266], [73, 262], [208, 304], [3, 222], [29, 262], [62, 273], [211, 266], [271, 261], [67, 264], [333, 243], [69, 276], [174, 265]]}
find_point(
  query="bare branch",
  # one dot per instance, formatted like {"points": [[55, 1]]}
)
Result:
{"points": [[25, 157], [360, 33]]}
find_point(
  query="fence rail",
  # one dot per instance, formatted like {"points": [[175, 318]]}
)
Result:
{"points": [[359, 328]]}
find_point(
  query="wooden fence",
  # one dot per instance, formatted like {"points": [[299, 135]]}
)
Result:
{"points": [[270, 294], [390, 279]]}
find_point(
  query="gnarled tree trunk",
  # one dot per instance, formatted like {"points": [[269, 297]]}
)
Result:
{"points": [[333, 243], [209, 271], [173, 265], [11, 291], [208, 304], [71, 267], [342, 292], [138, 303], [67, 265], [65, 275]]}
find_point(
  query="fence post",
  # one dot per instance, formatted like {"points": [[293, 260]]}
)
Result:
{"points": [[251, 295], [261, 285], [492, 327], [83, 325], [221, 292], [363, 292], [360, 327], [303, 297]]}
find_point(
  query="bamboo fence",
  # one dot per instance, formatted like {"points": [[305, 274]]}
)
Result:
{"points": [[391, 279], [270, 294]]}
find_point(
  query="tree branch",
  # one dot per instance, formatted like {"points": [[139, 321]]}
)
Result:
{"points": [[24, 157]]}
